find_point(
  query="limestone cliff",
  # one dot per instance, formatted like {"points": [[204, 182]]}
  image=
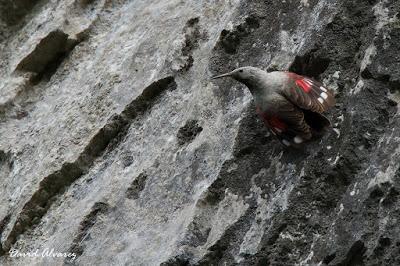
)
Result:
{"points": [[117, 147]]}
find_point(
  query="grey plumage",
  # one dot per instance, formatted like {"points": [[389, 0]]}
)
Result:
{"points": [[290, 105]]}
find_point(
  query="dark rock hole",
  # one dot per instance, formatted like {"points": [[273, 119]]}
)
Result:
{"points": [[133, 192], [230, 40], [12, 11], [3, 224], [47, 55], [392, 197], [84, 3], [193, 21], [354, 256], [310, 65], [188, 132], [329, 258], [193, 36], [6, 164]]}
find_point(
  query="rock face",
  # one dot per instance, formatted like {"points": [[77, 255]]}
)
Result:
{"points": [[116, 146]]}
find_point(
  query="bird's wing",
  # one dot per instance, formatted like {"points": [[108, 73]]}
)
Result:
{"points": [[288, 123], [308, 94]]}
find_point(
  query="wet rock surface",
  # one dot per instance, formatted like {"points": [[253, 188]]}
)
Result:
{"points": [[115, 144]]}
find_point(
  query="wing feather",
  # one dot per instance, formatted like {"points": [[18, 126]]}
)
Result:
{"points": [[308, 94], [288, 125]]}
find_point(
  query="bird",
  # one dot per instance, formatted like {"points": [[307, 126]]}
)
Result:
{"points": [[290, 105]]}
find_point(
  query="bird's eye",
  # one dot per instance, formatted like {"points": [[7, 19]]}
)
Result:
{"points": [[241, 71]]}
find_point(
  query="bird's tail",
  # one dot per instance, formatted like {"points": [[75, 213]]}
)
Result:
{"points": [[318, 122]]}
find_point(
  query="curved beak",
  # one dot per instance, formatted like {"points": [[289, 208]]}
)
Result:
{"points": [[222, 76]]}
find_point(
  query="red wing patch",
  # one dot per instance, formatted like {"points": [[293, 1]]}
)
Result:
{"points": [[275, 122], [308, 94], [291, 130], [272, 122], [304, 85]]}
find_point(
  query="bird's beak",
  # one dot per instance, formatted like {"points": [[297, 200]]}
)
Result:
{"points": [[223, 75]]}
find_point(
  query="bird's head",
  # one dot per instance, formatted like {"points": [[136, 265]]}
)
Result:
{"points": [[242, 74], [252, 77]]}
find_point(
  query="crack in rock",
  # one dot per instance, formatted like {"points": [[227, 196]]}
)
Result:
{"points": [[47, 55], [77, 247], [11, 12], [56, 183], [133, 192]]}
